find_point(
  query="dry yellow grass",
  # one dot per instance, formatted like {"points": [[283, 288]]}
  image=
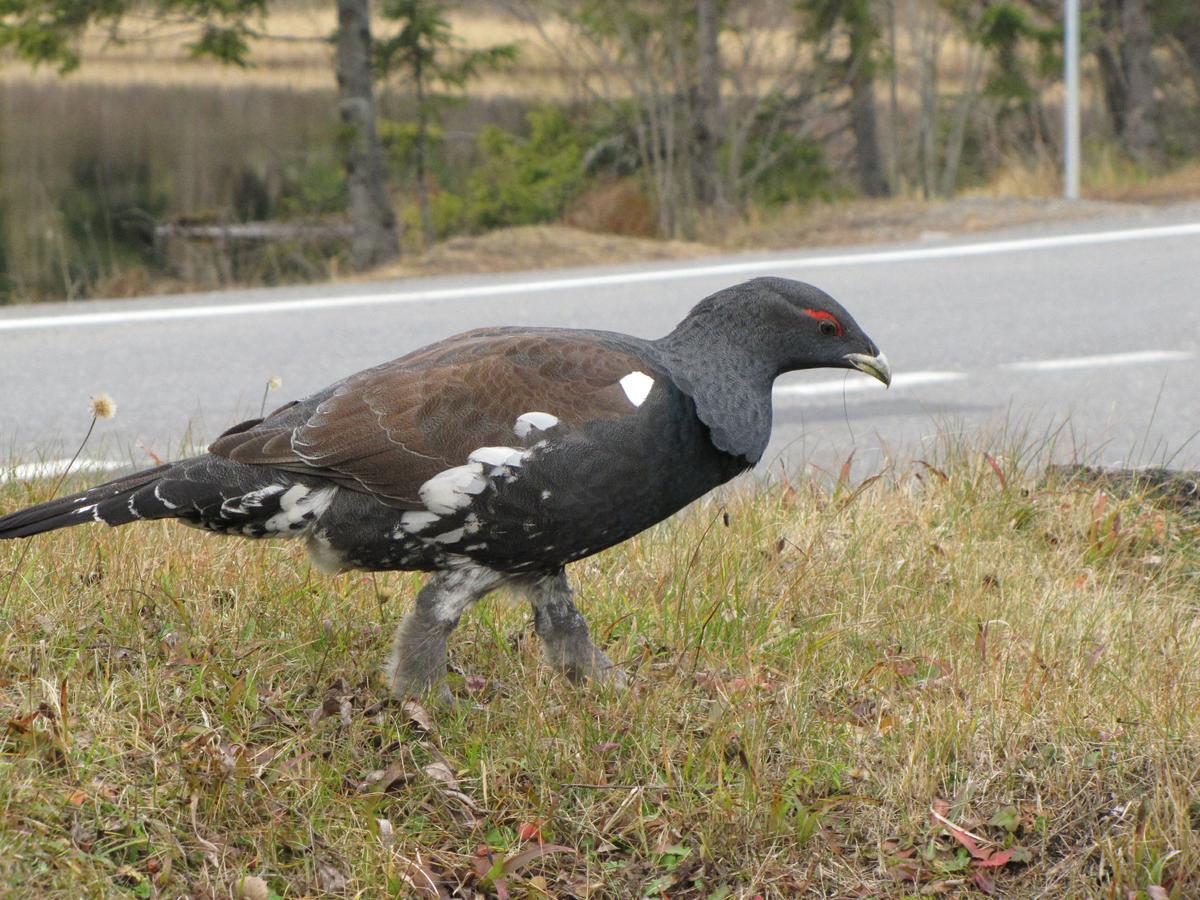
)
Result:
{"points": [[294, 53], [532, 247], [837, 691]]}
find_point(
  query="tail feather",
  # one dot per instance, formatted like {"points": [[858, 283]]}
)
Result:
{"points": [[109, 503], [208, 492]]}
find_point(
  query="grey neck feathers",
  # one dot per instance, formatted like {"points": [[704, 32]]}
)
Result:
{"points": [[728, 381]]}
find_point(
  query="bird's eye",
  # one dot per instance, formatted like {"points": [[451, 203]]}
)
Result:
{"points": [[827, 321]]}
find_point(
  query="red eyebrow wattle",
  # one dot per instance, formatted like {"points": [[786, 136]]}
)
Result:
{"points": [[822, 314]]}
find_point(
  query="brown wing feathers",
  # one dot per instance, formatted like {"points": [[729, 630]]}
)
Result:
{"points": [[390, 429]]}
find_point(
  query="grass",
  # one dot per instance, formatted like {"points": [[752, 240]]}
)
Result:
{"points": [[948, 680]]}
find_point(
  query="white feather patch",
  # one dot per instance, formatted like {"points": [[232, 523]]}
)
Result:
{"points": [[497, 456], [252, 500], [299, 504], [323, 556], [527, 422], [449, 537], [637, 386], [452, 489], [413, 521]]}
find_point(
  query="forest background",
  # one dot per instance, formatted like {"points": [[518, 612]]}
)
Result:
{"points": [[195, 144]]}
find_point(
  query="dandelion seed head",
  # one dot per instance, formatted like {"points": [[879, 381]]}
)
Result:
{"points": [[251, 887], [274, 383], [103, 406]]}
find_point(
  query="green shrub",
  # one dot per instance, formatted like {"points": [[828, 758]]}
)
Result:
{"points": [[315, 186], [524, 181], [797, 171]]}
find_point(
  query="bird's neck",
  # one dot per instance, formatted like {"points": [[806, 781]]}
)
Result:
{"points": [[729, 383]]}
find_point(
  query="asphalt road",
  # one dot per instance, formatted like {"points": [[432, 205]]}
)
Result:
{"points": [[1090, 332]]}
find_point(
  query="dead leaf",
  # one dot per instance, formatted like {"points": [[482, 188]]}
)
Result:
{"points": [[984, 882], [938, 888], [422, 879], [518, 861], [419, 716], [330, 879], [528, 831], [439, 771], [381, 780], [484, 863], [331, 706], [965, 838], [994, 860]]}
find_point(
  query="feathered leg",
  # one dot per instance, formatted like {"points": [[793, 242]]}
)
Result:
{"points": [[564, 633], [417, 663]]}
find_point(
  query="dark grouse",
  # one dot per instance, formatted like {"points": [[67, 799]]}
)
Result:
{"points": [[498, 456]]}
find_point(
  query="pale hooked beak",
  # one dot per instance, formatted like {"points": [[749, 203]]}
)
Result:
{"points": [[875, 366]]}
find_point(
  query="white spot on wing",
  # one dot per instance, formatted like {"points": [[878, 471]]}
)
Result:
{"points": [[527, 422], [449, 537], [636, 386]]}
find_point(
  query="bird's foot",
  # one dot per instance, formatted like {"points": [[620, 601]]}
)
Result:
{"points": [[416, 667], [581, 660], [437, 693]]}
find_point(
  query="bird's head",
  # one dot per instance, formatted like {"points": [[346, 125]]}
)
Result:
{"points": [[794, 325], [817, 331]]}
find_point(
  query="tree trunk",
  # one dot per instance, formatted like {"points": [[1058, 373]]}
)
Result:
{"points": [[420, 150], [927, 54], [863, 119], [376, 238], [893, 101], [958, 129], [1127, 73], [708, 102]]}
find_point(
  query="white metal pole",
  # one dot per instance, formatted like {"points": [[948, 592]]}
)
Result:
{"points": [[1071, 103]]}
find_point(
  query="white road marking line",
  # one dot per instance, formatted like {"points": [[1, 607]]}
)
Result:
{"points": [[52, 468], [853, 385], [754, 266], [1099, 361]]}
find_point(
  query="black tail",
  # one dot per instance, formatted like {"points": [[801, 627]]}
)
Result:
{"points": [[116, 502], [207, 491]]}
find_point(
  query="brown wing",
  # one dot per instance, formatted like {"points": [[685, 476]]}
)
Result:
{"points": [[389, 429]]}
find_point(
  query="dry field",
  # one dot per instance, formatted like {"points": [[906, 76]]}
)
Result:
{"points": [[945, 681], [293, 52]]}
